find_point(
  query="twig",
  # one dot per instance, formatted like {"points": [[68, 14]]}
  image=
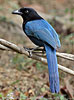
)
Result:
{"points": [[5, 45], [62, 55], [66, 56]]}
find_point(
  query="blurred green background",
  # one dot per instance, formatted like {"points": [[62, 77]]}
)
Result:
{"points": [[25, 77]]}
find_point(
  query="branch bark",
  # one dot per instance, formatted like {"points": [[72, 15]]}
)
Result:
{"points": [[5, 45]]}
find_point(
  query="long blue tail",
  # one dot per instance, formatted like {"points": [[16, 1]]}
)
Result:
{"points": [[53, 69]]}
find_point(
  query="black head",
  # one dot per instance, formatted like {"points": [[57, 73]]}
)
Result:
{"points": [[27, 14]]}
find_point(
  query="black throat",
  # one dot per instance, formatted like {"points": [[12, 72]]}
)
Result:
{"points": [[25, 20]]}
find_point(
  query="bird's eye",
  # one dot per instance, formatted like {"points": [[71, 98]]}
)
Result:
{"points": [[26, 11]]}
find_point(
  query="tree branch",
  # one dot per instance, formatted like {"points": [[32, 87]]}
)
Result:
{"points": [[66, 56], [62, 55], [5, 45]]}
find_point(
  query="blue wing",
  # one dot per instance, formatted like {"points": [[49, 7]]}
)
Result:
{"points": [[45, 36], [43, 31]]}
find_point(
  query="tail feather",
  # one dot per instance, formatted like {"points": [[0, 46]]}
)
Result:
{"points": [[53, 69]]}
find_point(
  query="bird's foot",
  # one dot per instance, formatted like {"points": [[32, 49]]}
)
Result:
{"points": [[30, 50], [34, 50], [30, 53]]}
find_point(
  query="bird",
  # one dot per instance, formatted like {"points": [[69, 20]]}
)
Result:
{"points": [[42, 34]]}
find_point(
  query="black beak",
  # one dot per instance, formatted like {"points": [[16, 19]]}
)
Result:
{"points": [[17, 12]]}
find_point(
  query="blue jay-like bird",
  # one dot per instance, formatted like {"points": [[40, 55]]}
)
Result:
{"points": [[42, 34]]}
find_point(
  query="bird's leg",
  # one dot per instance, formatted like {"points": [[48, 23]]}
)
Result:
{"points": [[30, 50], [34, 50]]}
